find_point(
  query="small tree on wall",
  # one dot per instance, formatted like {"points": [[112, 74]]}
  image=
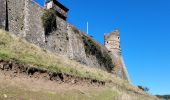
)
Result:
{"points": [[49, 21]]}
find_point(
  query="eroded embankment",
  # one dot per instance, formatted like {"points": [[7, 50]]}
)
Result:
{"points": [[24, 66], [31, 80], [28, 82], [33, 71]]}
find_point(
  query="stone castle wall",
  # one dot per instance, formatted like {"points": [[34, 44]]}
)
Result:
{"points": [[2, 14], [75, 48], [33, 30], [24, 20], [16, 16]]}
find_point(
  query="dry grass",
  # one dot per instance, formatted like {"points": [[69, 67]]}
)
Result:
{"points": [[17, 93], [22, 88], [14, 48]]}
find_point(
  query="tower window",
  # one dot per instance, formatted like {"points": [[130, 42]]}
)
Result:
{"points": [[118, 37]]}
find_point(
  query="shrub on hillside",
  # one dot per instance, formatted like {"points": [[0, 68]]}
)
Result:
{"points": [[166, 97], [92, 48], [146, 89], [49, 21]]}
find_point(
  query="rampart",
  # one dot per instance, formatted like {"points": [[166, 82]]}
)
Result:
{"points": [[23, 18]]}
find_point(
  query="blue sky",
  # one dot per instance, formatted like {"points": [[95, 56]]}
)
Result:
{"points": [[145, 33]]}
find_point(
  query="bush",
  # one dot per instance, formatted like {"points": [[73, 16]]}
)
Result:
{"points": [[146, 89], [49, 21], [92, 48], [166, 97]]}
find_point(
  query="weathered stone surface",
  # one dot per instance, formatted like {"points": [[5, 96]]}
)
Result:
{"points": [[76, 49], [3, 14], [112, 43], [24, 20], [93, 62], [57, 41], [16, 16], [34, 31]]}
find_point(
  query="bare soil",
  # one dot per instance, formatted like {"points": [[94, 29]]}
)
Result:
{"points": [[29, 78], [36, 79], [28, 82]]}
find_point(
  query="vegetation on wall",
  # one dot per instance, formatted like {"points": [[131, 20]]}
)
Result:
{"points": [[49, 21], [16, 49], [92, 48]]}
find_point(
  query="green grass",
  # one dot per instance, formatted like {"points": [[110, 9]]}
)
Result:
{"points": [[16, 93], [106, 94], [14, 48], [93, 48], [23, 52], [24, 93], [49, 21]]}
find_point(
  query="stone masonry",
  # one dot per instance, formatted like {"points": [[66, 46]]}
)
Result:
{"points": [[23, 18], [112, 43], [3, 14]]}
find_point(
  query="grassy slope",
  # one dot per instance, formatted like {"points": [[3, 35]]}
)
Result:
{"points": [[23, 52], [15, 93], [13, 48]]}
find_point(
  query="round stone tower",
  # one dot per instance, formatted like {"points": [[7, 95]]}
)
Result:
{"points": [[112, 42]]}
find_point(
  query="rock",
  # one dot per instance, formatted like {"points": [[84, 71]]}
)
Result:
{"points": [[2, 66], [5, 96]]}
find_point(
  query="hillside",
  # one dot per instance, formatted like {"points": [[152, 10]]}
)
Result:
{"points": [[31, 73], [165, 97]]}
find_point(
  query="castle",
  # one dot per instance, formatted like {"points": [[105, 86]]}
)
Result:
{"points": [[23, 18]]}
